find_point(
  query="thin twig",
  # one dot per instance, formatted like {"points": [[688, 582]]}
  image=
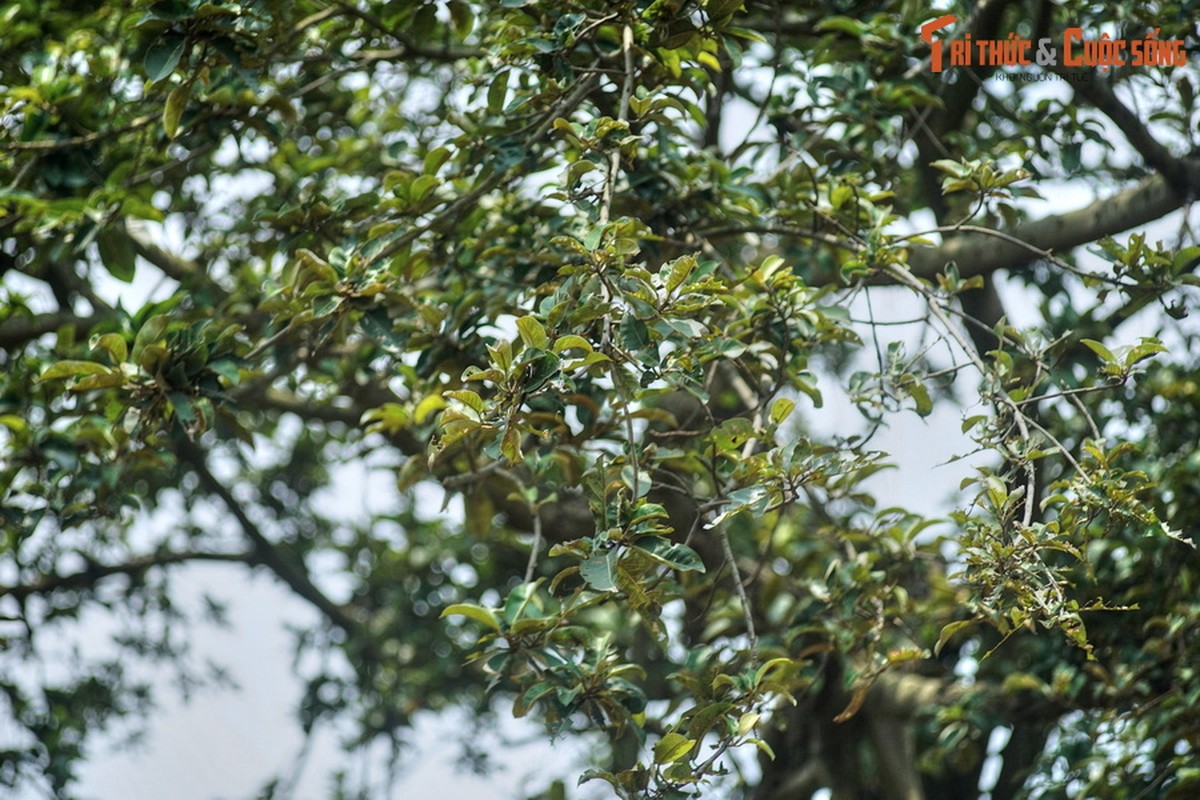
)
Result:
{"points": [[1019, 416], [614, 158], [739, 587], [564, 106], [536, 547]]}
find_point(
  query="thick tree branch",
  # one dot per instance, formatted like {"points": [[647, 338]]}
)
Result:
{"points": [[895, 752], [69, 143], [983, 254]]}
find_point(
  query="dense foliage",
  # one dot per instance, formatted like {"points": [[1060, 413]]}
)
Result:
{"points": [[589, 272]]}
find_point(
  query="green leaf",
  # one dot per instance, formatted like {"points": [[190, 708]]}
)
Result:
{"points": [[435, 159], [1186, 259], [706, 717], [847, 25], [676, 556], [420, 188], [918, 392], [484, 616], [722, 9], [634, 334], [587, 774], [948, 632], [228, 369], [528, 698], [461, 17], [497, 92], [117, 253], [599, 570], [1146, 348], [1103, 352], [592, 240], [532, 333], [522, 601], [185, 410], [164, 55], [152, 330]]}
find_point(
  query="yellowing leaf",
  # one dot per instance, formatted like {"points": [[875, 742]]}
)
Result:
{"points": [[468, 398], [510, 445], [71, 368], [572, 341], [781, 409], [948, 631], [484, 616], [672, 748], [112, 343], [746, 723], [430, 404], [173, 109]]}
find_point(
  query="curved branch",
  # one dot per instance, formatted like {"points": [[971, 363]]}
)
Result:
{"points": [[287, 569], [983, 254], [180, 269]]}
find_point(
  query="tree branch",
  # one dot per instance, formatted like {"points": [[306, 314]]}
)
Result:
{"points": [[94, 573], [982, 254], [291, 571], [1178, 173], [19, 330], [564, 106], [182, 270]]}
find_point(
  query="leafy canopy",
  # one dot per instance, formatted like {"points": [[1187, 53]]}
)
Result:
{"points": [[593, 273]]}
